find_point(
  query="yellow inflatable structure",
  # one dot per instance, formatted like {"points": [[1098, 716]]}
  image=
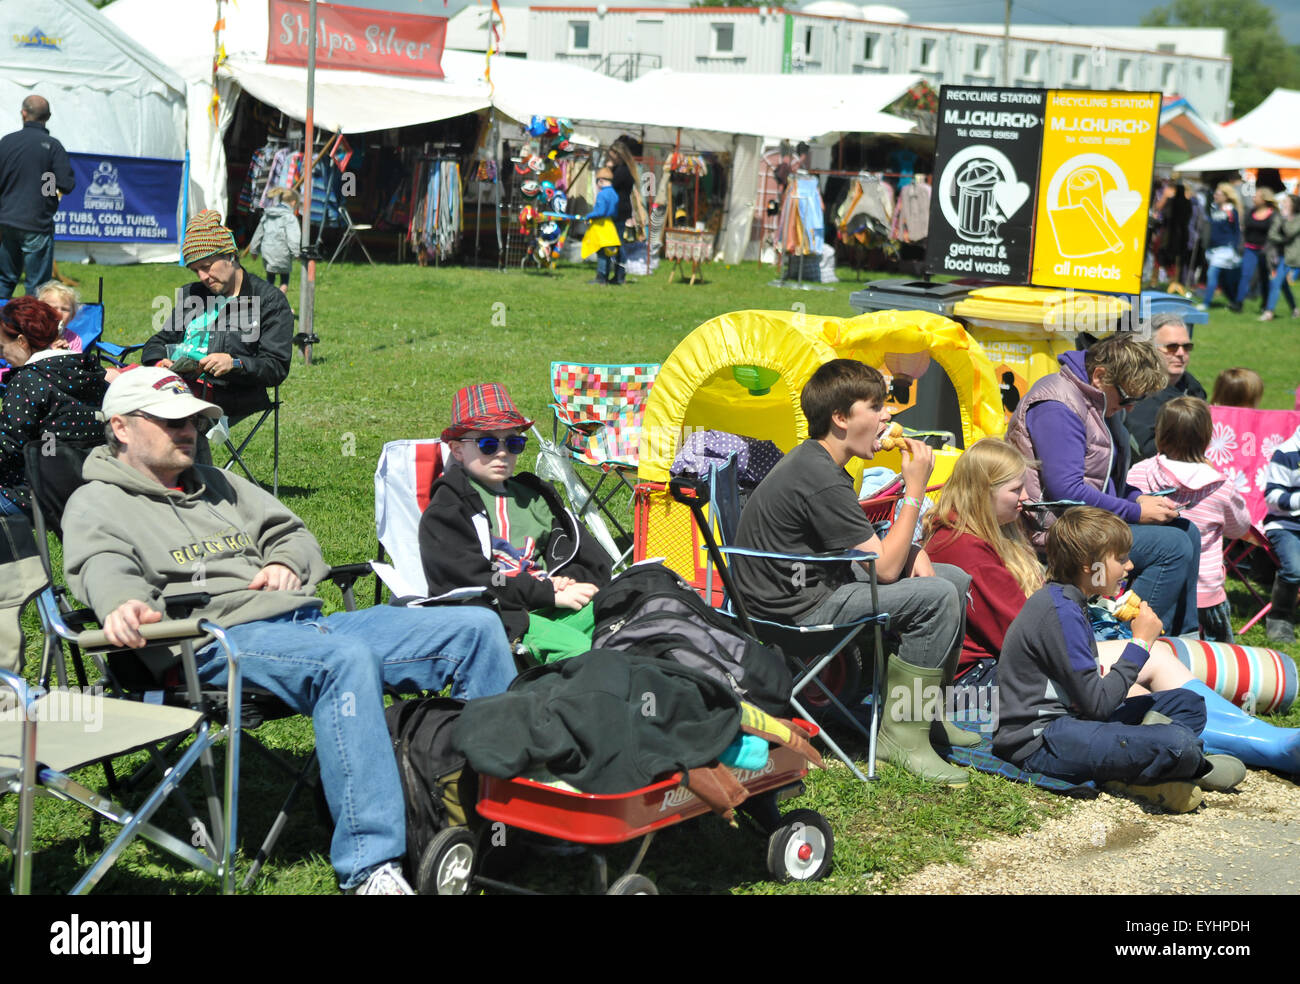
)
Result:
{"points": [[743, 372]]}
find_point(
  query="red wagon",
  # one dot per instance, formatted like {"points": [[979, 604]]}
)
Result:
{"points": [[799, 843]]}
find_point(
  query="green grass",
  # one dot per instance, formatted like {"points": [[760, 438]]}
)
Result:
{"points": [[396, 342]]}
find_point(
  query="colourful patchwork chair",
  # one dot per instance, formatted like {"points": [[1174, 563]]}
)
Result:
{"points": [[597, 419]]}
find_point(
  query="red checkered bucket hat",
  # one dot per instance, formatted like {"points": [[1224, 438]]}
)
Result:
{"points": [[485, 407]]}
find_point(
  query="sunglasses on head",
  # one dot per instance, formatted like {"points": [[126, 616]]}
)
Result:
{"points": [[515, 443], [199, 421], [1173, 347]]}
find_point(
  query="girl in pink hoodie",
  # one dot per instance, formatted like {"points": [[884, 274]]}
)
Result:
{"points": [[1205, 496]]}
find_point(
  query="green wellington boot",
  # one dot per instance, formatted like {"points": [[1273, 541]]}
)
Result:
{"points": [[904, 737], [943, 732]]}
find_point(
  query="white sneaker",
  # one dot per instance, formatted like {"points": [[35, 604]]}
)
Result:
{"points": [[385, 880]]}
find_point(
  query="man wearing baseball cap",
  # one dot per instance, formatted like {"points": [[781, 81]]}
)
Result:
{"points": [[231, 333], [149, 523]]}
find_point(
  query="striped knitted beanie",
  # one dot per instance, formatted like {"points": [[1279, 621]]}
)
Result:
{"points": [[205, 236]]}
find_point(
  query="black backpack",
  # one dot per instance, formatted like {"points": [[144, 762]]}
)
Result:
{"points": [[651, 611], [439, 786]]}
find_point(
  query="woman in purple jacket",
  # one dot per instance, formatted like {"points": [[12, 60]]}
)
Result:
{"points": [[1070, 423]]}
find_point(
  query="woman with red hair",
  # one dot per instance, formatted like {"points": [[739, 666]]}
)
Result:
{"points": [[53, 394]]}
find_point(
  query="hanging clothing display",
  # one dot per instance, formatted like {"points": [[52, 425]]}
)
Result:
{"points": [[436, 213], [912, 213], [869, 202], [802, 224]]}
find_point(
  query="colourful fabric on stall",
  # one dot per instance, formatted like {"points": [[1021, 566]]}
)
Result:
{"points": [[809, 196]]}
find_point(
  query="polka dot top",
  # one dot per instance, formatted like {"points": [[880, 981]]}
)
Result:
{"points": [[50, 399]]}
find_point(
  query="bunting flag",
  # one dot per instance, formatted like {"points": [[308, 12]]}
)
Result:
{"points": [[497, 21]]}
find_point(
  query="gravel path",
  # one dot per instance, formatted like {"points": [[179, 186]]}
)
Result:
{"points": [[1246, 842]]}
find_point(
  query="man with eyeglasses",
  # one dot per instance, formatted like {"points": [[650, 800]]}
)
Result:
{"points": [[1171, 339], [1071, 423], [149, 524]]}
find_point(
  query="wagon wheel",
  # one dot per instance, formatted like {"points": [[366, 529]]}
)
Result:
{"points": [[801, 849], [633, 885], [843, 677], [447, 864]]}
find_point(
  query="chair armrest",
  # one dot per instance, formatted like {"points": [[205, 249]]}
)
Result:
{"points": [[167, 630], [819, 558], [586, 426], [346, 575], [116, 353]]}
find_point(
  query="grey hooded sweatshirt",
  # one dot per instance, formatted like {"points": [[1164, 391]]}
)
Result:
{"points": [[126, 537]]}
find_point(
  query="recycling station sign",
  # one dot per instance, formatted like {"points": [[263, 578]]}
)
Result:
{"points": [[1043, 186], [986, 167]]}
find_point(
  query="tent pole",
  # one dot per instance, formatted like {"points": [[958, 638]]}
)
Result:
{"points": [[307, 299]]}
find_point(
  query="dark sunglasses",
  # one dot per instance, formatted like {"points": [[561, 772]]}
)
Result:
{"points": [[199, 421], [1126, 402], [1173, 347], [515, 443]]}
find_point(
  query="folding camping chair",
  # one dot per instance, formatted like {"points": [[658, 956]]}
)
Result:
{"points": [[350, 236], [51, 734], [811, 648], [600, 408], [1241, 446], [222, 433], [234, 708], [404, 477]]}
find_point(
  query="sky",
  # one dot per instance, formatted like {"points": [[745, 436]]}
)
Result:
{"points": [[1118, 13], [1094, 13]]}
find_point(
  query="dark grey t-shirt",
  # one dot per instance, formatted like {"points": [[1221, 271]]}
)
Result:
{"points": [[806, 505]]}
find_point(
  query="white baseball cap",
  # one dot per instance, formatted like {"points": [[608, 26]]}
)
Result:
{"points": [[155, 391]]}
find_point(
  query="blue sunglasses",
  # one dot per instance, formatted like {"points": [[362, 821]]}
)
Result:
{"points": [[515, 443]]}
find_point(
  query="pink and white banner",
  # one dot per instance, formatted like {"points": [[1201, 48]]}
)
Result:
{"points": [[1241, 445]]}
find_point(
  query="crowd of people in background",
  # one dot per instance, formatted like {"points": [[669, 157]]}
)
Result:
{"points": [[1243, 240]]}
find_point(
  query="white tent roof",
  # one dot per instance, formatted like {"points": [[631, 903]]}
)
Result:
{"points": [[1235, 158], [107, 94], [794, 106], [1274, 123]]}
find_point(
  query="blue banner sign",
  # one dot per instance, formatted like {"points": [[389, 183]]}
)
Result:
{"points": [[121, 200]]}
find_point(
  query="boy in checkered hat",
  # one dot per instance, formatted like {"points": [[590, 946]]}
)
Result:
{"points": [[489, 526]]}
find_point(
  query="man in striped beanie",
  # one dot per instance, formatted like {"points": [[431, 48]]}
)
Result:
{"points": [[231, 333]]}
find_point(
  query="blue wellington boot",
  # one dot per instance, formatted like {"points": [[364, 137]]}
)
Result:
{"points": [[1230, 730]]}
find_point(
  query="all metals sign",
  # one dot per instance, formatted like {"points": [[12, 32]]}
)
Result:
{"points": [[1095, 189], [988, 144]]}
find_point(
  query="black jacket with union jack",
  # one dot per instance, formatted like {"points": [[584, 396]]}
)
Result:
{"points": [[455, 547]]}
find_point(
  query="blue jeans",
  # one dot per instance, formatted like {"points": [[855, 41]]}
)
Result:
{"points": [[1279, 286], [1250, 259], [1166, 559], [1121, 749], [19, 250], [334, 668], [608, 262], [1229, 278], [1286, 545], [8, 508]]}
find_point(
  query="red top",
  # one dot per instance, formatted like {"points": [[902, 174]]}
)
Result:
{"points": [[995, 595]]}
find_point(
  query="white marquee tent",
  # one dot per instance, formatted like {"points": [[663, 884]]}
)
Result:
{"points": [[107, 95], [1274, 123], [716, 112]]}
